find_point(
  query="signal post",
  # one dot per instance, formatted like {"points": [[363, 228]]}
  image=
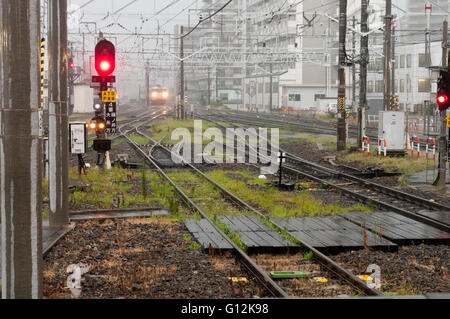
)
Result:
{"points": [[105, 107], [443, 101]]}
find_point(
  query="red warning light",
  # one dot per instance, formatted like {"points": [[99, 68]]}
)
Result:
{"points": [[105, 65], [105, 58], [442, 99]]}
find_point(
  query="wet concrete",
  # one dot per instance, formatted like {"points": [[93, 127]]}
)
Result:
{"points": [[423, 181]]}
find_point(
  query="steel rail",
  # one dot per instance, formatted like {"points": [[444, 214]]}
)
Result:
{"points": [[380, 188], [320, 126], [320, 257], [260, 274]]}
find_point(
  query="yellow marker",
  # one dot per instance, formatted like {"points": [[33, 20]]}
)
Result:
{"points": [[321, 279], [448, 120], [365, 277], [236, 279]]}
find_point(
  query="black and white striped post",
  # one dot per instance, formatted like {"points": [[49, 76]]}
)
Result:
{"points": [[20, 150]]}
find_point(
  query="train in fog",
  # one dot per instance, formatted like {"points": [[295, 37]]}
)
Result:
{"points": [[159, 95]]}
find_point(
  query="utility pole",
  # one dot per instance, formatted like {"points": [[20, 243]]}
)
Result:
{"points": [[58, 114], [341, 122], [442, 174], [393, 63], [364, 53], [181, 75], [354, 64], [328, 62], [147, 83], [427, 35], [271, 87], [209, 86], [387, 54], [20, 150]]}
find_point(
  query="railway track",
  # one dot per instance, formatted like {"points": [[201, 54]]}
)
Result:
{"points": [[263, 278], [199, 204], [302, 124], [384, 197]]}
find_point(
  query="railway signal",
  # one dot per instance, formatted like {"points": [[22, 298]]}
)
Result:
{"points": [[98, 124], [104, 121], [105, 58], [71, 65], [443, 92]]}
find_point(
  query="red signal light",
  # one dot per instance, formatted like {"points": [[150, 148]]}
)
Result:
{"points": [[105, 58], [442, 99], [105, 66]]}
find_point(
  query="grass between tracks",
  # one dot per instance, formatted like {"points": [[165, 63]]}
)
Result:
{"points": [[273, 202], [405, 165], [121, 188], [259, 193], [162, 129]]}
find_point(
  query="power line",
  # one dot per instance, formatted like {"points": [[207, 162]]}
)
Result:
{"points": [[205, 19]]}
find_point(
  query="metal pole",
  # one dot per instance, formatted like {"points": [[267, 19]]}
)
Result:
{"points": [[328, 61], [353, 64], [182, 75], [341, 122], [147, 84], [209, 86], [387, 51], [364, 53], [393, 63], [58, 115], [271, 87], [20, 150], [441, 178], [427, 35]]}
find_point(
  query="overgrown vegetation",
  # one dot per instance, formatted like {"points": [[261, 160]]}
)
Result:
{"points": [[106, 186], [275, 203], [405, 165]]}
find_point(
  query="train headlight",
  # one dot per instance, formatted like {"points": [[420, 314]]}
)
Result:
{"points": [[154, 94], [165, 94]]}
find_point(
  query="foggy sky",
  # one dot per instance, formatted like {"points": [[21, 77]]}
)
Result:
{"points": [[129, 70]]}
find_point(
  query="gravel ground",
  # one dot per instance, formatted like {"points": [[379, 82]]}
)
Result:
{"points": [[304, 287], [142, 258], [411, 270]]}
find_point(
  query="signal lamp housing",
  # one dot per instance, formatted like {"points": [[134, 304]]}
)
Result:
{"points": [[105, 58]]}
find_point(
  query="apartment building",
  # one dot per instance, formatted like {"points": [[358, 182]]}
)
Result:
{"points": [[412, 78]]}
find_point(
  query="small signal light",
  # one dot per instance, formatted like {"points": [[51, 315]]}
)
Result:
{"points": [[93, 125]]}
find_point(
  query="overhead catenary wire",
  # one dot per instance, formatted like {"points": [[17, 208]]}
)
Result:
{"points": [[205, 19]]}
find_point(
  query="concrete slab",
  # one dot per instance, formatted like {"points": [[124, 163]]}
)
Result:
{"points": [[399, 229], [333, 233], [425, 177], [206, 235], [118, 214], [257, 236]]}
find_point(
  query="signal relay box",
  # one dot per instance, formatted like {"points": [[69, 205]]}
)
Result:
{"points": [[391, 127]]}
